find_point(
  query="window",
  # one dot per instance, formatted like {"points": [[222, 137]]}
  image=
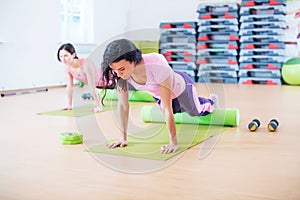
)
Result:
{"points": [[77, 23]]}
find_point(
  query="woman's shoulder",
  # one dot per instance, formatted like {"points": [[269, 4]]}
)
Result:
{"points": [[153, 57], [154, 54], [81, 61]]}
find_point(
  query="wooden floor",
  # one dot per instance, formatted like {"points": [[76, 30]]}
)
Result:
{"points": [[236, 164]]}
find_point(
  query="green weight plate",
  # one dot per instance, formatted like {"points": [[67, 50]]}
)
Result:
{"points": [[71, 141], [70, 136], [80, 84]]}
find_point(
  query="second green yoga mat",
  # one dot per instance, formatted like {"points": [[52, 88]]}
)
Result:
{"points": [[147, 144], [79, 111]]}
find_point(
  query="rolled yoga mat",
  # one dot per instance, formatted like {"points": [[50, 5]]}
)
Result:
{"points": [[133, 95], [224, 117]]}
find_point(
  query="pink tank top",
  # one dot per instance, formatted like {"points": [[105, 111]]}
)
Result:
{"points": [[82, 76], [158, 70]]}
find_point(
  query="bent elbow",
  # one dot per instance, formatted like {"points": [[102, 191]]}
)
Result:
{"points": [[166, 110]]}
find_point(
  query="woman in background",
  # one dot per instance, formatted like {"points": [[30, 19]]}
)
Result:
{"points": [[81, 70]]}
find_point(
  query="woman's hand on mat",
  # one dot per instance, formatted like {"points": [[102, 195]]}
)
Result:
{"points": [[169, 148], [98, 109], [120, 143], [67, 108]]}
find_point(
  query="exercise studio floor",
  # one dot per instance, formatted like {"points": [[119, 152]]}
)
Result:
{"points": [[235, 164]]}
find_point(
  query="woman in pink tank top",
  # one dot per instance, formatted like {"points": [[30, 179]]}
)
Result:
{"points": [[174, 91]]}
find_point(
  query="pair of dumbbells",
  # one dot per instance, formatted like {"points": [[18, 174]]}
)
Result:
{"points": [[255, 123], [88, 96]]}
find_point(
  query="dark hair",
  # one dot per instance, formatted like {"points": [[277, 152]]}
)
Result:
{"points": [[69, 48], [116, 51]]}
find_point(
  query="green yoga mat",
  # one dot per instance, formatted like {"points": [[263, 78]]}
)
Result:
{"points": [[77, 111], [147, 144], [133, 95], [224, 117]]}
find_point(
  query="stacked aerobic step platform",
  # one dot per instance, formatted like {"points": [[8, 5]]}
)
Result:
{"points": [[262, 47], [217, 43], [178, 44]]}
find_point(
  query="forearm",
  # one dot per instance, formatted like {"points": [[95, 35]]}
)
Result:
{"points": [[96, 98], [89, 69], [166, 105], [123, 111], [170, 122], [70, 96]]}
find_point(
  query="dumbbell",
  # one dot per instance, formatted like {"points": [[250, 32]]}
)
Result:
{"points": [[272, 125], [253, 125]]}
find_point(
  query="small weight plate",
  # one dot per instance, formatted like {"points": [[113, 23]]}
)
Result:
{"points": [[68, 136]]}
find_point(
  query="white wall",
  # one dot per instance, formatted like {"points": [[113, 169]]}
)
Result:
{"points": [[110, 19], [30, 34], [140, 17], [143, 14]]}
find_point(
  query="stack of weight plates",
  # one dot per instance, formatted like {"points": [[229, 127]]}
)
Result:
{"points": [[71, 138]]}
